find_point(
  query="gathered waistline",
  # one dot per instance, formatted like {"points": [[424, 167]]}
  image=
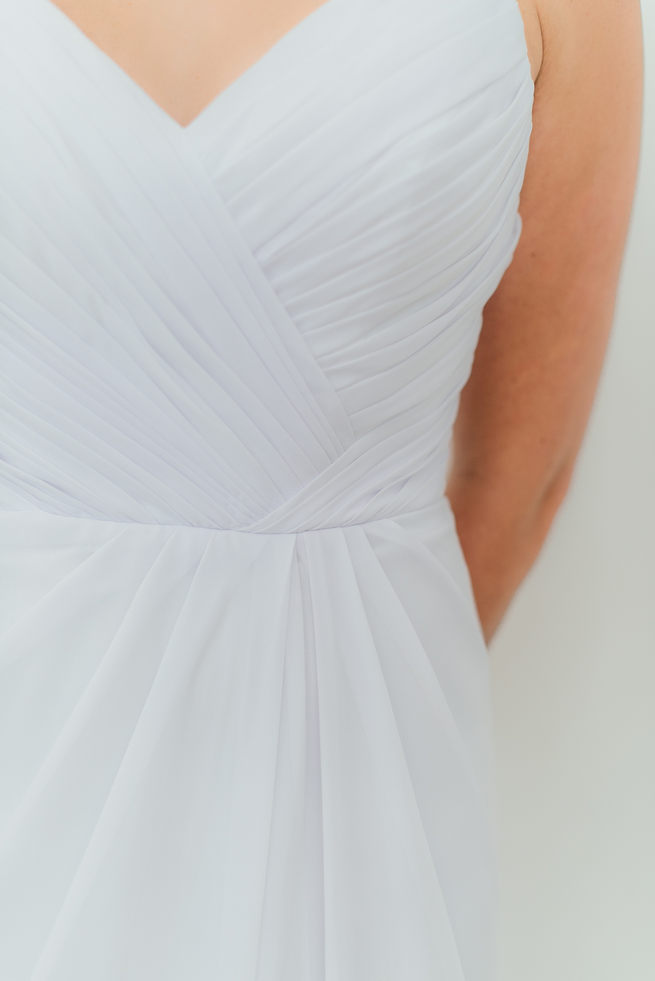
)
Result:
{"points": [[440, 506]]}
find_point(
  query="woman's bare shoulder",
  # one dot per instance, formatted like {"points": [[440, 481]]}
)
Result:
{"points": [[565, 25], [551, 22]]}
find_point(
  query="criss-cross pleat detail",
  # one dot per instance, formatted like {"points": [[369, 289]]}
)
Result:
{"points": [[245, 726]]}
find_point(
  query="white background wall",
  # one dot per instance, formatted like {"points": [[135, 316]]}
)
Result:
{"points": [[573, 667]]}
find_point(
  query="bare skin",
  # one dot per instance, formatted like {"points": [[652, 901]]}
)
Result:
{"points": [[525, 407], [184, 54]]}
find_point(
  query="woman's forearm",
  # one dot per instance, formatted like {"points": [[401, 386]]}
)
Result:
{"points": [[501, 538]]}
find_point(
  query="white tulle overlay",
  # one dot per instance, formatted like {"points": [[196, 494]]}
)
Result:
{"points": [[245, 728]]}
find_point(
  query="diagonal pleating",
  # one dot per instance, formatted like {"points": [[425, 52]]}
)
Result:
{"points": [[245, 728]]}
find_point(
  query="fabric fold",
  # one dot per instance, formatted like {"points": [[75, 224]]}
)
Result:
{"points": [[245, 726]]}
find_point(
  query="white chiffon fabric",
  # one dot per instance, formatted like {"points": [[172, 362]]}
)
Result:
{"points": [[245, 726]]}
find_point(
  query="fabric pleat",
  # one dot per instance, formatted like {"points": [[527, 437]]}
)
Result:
{"points": [[245, 718]]}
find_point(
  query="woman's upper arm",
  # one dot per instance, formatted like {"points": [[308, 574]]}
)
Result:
{"points": [[524, 409]]}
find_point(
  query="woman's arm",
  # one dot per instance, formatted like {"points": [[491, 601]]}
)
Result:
{"points": [[525, 407]]}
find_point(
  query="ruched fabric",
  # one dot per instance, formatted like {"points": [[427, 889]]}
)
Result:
{"points": [[245, 726]]}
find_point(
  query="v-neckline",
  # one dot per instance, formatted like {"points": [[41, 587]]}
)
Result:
{"points": [[69, 29]]}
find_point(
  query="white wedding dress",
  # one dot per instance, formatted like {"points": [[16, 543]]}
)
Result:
{"points": [[245, 726]]}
